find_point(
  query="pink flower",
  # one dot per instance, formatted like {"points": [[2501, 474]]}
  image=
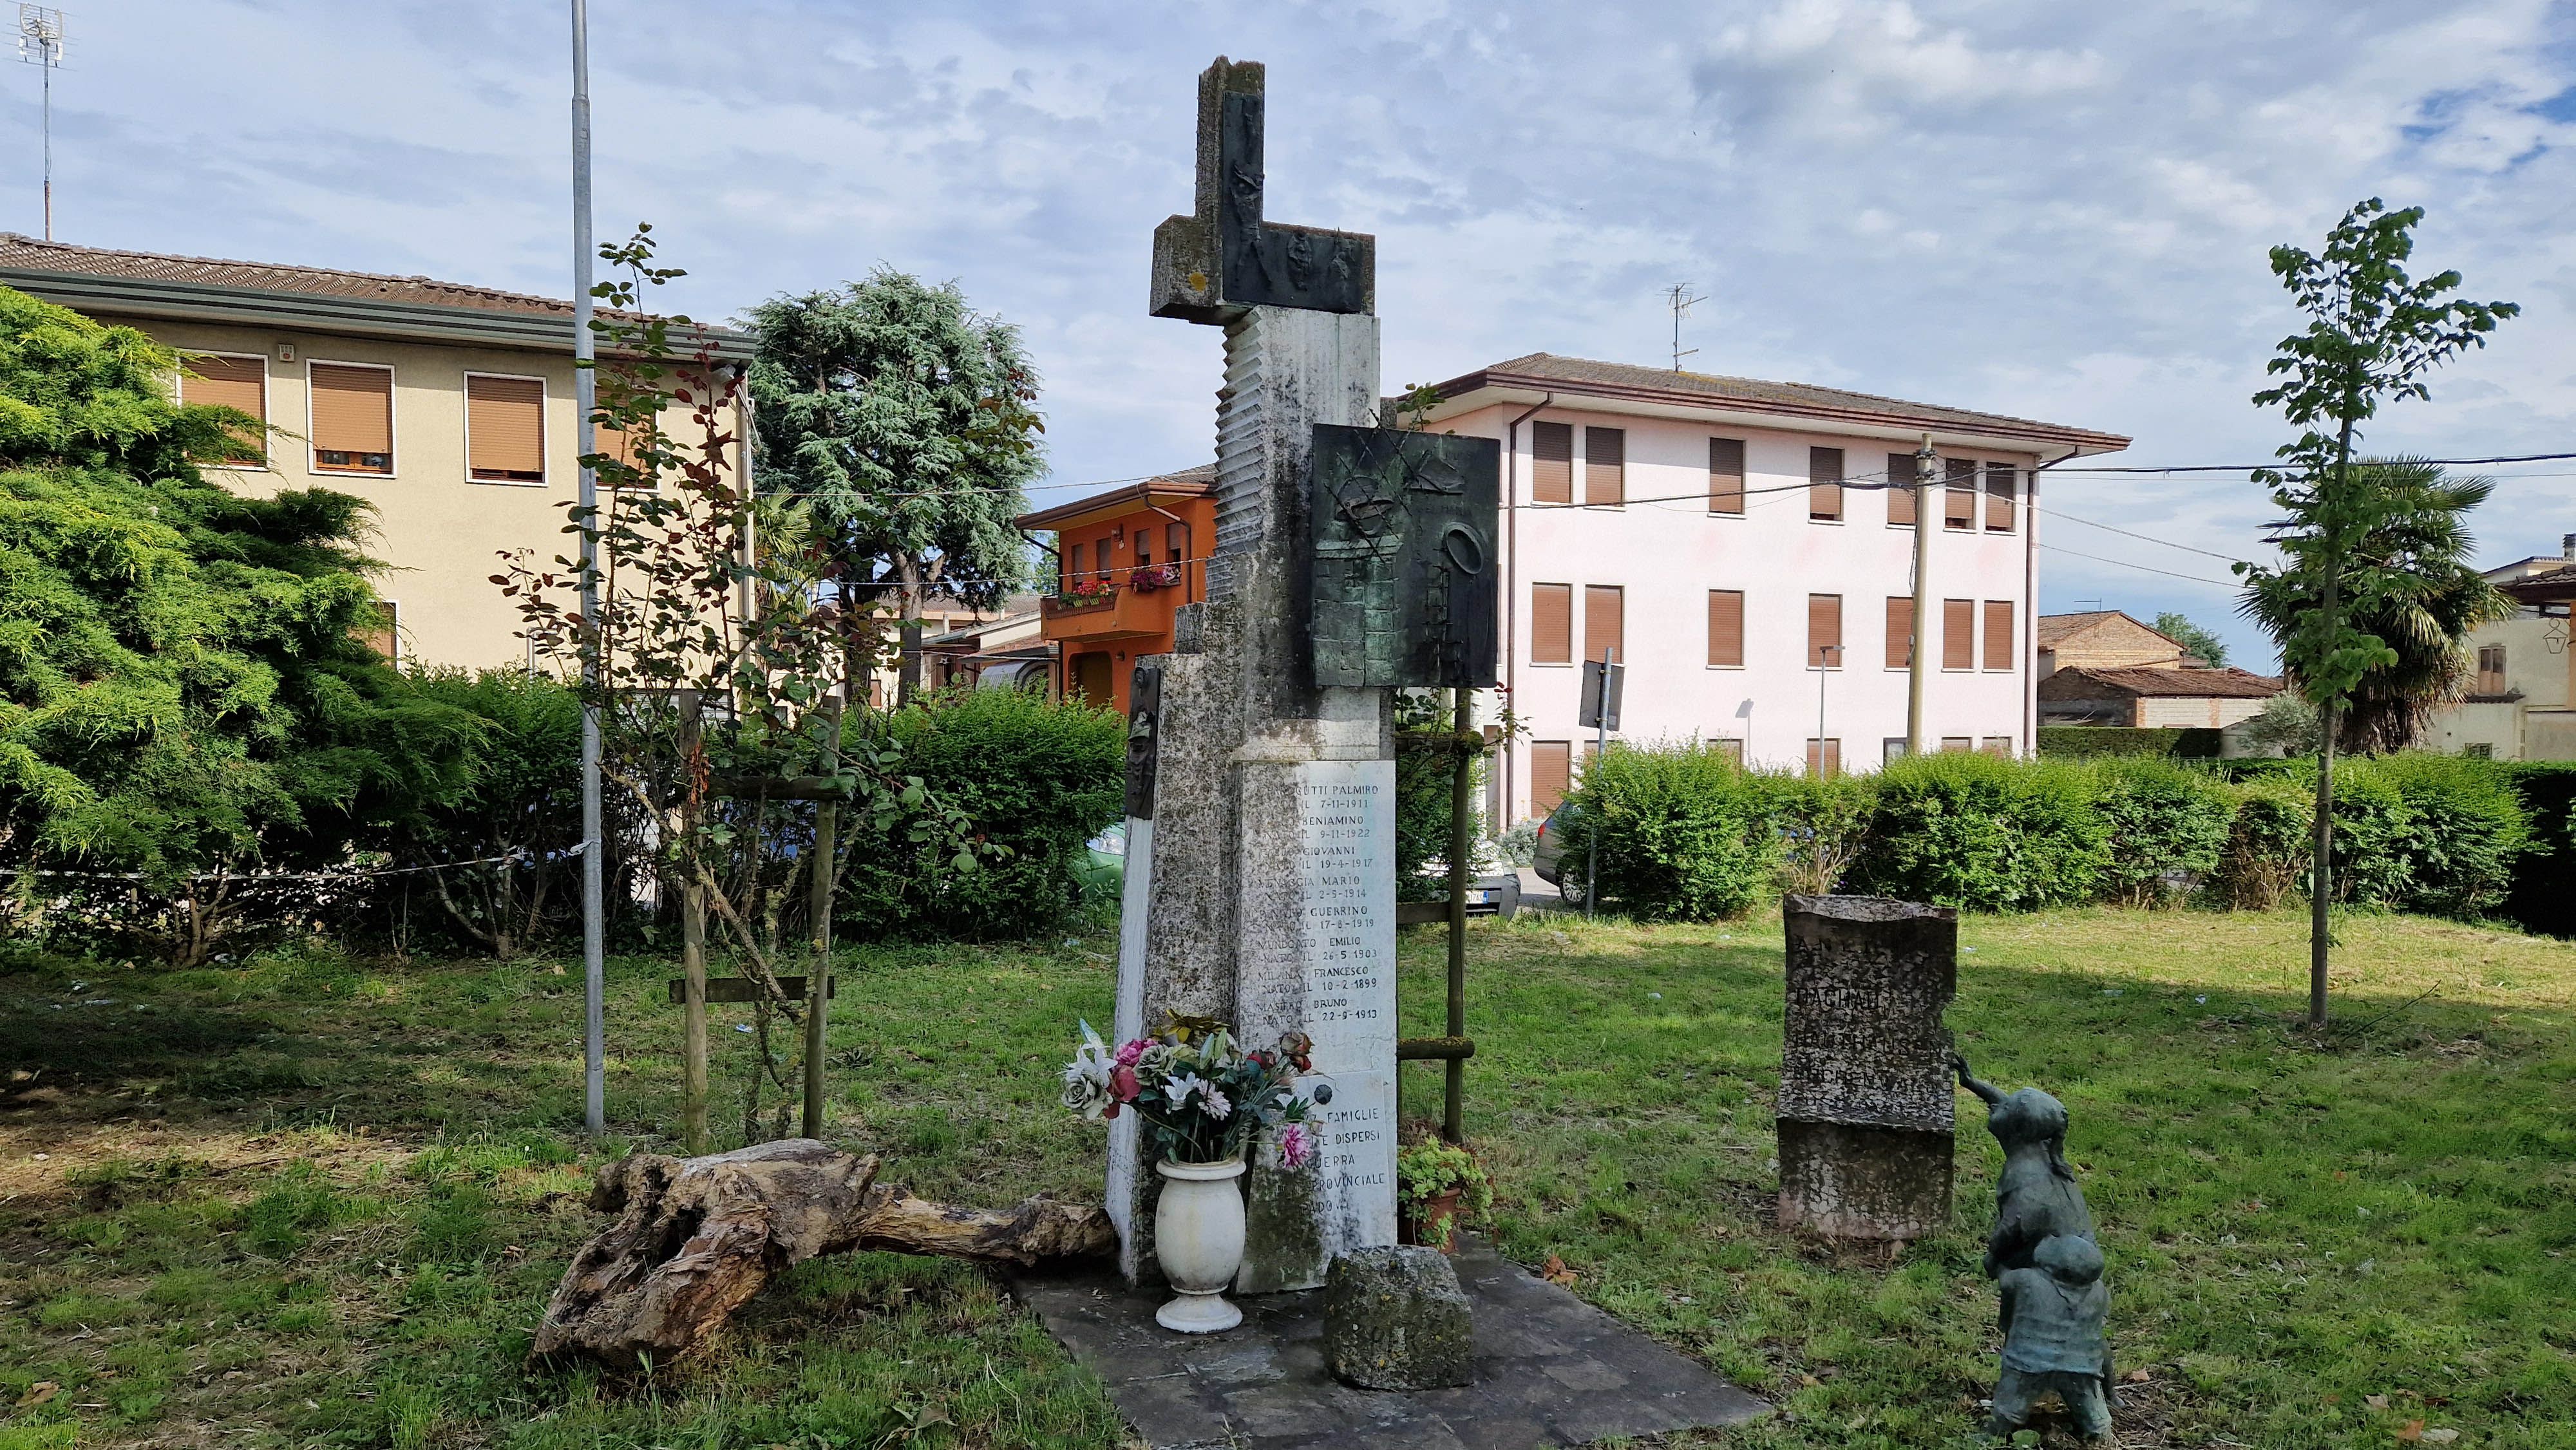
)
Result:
{"points": [[1123, 1086], [1130, 1052], [1296, 1145]]}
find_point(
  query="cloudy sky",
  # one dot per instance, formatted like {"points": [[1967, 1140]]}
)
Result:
{"points": [[2057, 211]]}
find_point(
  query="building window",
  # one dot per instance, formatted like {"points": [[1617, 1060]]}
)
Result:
{"points": [[1605, 620], [1176, 542], [1824, 485], [1958, 634], [1605, 466], [1998, 745], [2479, 750], [385, 638], [1900, 490], [505, 429], [1551, 624], [1824, 757], [1891, 750], [1551, 772], [1726, 629], [221, 380], [353, 418], [2000, 484], [1999, 634], [1726, 476], [1959, 494], [1730, 747], [1072, 566], [1900, 632], [1824, 631], [1958, 744], [1144, 548], [2491, 669], [1552, 463]]}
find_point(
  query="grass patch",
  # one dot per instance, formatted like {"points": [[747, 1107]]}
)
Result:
{"points": [[320, 1202]]}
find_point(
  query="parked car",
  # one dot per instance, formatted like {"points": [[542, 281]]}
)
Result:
{"points": [[1100, 868], [1548, 858]]}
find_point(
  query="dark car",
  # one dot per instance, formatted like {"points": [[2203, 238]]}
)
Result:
{"points": [[1548, 860]]}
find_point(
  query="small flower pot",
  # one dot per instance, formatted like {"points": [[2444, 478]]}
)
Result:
{"points": [[1198, 1238], [1427, 1222]]}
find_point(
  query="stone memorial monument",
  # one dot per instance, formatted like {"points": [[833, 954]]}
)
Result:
{"points": [[1865, 1111], [1269, 895]]}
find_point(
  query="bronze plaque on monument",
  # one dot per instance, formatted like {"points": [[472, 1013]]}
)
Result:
{"points": [[1406, 585]]}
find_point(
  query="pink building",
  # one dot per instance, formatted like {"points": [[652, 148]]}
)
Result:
{"points": [[1734, 541]]}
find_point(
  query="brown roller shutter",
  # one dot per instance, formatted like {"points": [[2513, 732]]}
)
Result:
{"points": [[1552, 462], [1824, 483], [1551, 624], [1900, 632], [1726, 475], [238, 383], [1605, 465], [1900, 492], [2000, 481], [1605, 622], [1999, 634], [353, 418], [1957, 744], [1824, 757], [1959, 494], [1726, 628], [1551, 771], [1824, 630], [1731, 747], [505, 429], [1998, 745], [1958, 634]]}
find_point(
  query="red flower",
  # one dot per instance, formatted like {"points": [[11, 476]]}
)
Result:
{"points": [[1122, 1087]]}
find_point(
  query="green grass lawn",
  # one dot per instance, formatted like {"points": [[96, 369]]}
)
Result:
{"points": [[318, 1201]]}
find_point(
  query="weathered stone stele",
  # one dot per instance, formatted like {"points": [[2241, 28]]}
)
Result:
{"points": [[1270, 903], [1866, 1116], [1395, 1319]]}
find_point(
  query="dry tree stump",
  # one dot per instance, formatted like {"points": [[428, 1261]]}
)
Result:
{"points": [[695, 1238]]}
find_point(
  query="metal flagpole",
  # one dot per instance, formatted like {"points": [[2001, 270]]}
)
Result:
{"points": [[594, 924]]}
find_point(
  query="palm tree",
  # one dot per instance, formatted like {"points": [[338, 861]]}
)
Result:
{"points": [[2421, 532]]}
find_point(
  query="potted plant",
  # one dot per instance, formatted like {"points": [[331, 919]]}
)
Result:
{"points": [[1437, 1184], [1203, 1099]]}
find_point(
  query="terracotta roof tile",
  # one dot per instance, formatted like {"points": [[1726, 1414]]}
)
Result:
{"points": [[2170, 683], [31, 254]]}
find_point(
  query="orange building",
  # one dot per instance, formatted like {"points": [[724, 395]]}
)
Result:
{"points": [[1125, 561]]}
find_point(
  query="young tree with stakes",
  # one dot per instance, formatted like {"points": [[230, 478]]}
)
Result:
{"points": [[2373, 333], [903, 420]]}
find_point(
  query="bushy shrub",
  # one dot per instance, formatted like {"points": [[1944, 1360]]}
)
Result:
{"points": [[1425, 771], [1037, 777], [2167, 824], [2542, 897], [1971, 830], [1823, 825], [2267, 849], [1685, 833], [2083, 741], [2467, 828]]}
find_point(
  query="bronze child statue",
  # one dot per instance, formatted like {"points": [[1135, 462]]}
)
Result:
{"points": [[2054, 1342], [2047, 1266]]}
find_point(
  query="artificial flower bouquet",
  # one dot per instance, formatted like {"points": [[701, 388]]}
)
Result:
{"points": [[1203, 1098]]}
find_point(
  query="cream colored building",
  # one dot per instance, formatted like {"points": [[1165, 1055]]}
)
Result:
{"points": [[2521, 701], [448, 407]]}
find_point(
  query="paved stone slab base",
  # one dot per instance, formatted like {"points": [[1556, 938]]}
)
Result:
{"points": [[1550, 1370]]}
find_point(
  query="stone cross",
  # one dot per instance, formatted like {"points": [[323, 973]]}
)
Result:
{"points": [[1269, 892]]}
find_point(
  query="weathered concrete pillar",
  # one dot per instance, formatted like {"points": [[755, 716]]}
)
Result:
{"points": [[1866, 1110]]}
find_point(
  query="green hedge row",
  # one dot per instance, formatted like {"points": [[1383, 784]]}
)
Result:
{"points": [[2085, 741], [1685, 834]]}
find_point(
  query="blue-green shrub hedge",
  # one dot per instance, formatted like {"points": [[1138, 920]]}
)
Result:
{"points": [[1685, 833], [1970, 830]]}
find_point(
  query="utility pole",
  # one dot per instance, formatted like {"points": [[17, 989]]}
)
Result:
{"points": [[1682, 302], [1925, 462], [585, 387], [40, 43], [1825, 660]]}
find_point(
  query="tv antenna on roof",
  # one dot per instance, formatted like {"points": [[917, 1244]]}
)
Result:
{"points": [[1682, 302], [40, 43]]}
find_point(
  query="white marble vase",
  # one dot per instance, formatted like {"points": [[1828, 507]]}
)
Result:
{"points": [[1198, 1238]]}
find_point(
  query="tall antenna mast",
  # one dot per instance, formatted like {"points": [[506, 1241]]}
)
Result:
{"points": [[1682, 302], [40, 43]]}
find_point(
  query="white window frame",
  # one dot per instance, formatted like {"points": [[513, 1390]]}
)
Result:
{"points": [[393, 422], [545, 430], [179, 390]]}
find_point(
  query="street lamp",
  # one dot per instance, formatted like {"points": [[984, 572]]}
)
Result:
{"points": [[1827, 656]]}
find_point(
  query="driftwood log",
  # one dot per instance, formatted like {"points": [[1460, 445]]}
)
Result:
{"points": [[696, 1237]]}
